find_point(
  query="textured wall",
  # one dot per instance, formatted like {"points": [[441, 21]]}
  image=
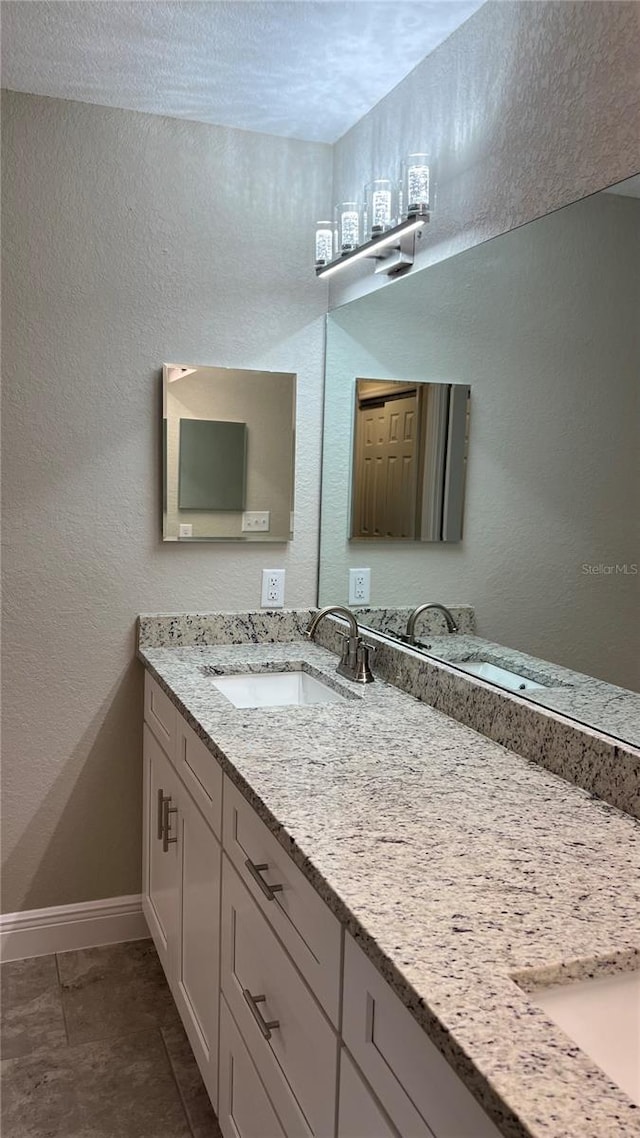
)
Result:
{"points": [[129, 239], [542, 323], [527, 107], [118, 256]]}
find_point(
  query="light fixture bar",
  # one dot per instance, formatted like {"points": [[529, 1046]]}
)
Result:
{"points": [[379, 247]]}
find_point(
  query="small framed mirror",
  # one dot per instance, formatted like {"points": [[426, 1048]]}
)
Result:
{"points": [[228, 454]]}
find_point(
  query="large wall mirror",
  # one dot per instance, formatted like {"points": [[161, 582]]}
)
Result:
{"points": [[228, 454], [543, 325]]}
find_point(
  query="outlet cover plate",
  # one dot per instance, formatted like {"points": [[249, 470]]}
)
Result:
{"points": [[256, 521], [272, 588], [359, 586]]}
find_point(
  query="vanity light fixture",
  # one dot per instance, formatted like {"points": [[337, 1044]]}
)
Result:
{"points": [[324, 243], [394, 250]]}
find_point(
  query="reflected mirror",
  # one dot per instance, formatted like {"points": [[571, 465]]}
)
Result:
{"points": [[543, 325], [409, 455], [228, 454]]}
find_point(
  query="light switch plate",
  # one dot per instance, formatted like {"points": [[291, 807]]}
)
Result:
{"points": [[185, 530]]}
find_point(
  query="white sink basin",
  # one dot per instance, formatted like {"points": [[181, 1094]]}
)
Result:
{"points": [[603, 1017], [496, 675], [275, 689]]}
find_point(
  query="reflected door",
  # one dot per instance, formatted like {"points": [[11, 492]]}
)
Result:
{"points": [[385, 468]]}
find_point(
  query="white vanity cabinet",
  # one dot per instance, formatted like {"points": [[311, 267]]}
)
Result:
{"points": [[296, 1033], [181, 873]]}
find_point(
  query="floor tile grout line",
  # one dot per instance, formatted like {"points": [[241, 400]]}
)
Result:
{"points": [[177, 1083], [60, 991]]}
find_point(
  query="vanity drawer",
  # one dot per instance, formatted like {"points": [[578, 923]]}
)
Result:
{"points": [[359, 1115], [201, 773], [307, 928], [160, 714], [245, 1110], [419, 1090], [296, 1056]]}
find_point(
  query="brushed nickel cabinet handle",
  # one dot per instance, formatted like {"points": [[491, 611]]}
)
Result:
{"points": [[266, 1026], [161, 801], [256, 871], [166, 811]]}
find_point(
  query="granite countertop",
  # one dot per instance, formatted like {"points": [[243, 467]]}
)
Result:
{"points": [[454, 863]]}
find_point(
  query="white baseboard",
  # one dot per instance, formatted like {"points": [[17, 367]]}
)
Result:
{"points": [[38, 932]]}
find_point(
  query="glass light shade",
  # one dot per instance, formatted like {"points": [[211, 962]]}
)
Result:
{"points": [[416, 185], [381, 207], [324, 242], [349, 226]]}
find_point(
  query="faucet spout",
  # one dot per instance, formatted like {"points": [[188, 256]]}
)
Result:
{"points": [[411, 623], [354, 662], [338, 610]]}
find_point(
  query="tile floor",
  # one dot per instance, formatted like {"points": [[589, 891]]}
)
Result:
{"points": [[92, 1047]]}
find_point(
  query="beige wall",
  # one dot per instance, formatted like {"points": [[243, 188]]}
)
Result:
{"points": [[125, 245]]}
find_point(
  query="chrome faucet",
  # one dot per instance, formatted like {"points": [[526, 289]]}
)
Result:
{"points": [[354, 662], [410, 637]]}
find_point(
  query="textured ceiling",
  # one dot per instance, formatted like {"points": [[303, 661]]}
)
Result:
{"points": [[298, 68]]}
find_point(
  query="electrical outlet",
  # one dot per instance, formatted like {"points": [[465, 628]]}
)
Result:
{"points": [[255, 521], [185, 530], [359, 586], [272, 588]]}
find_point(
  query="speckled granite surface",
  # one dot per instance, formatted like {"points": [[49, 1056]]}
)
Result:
{"points": [[393, 621], [586, 757], [605, 707], [455, 864], [166, 630]]}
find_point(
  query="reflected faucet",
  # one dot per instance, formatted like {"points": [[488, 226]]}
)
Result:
{"points": [[410, 638], [354, 662]]}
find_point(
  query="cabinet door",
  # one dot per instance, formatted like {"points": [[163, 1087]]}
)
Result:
{"points": [[359, 1114], [420, 1091], [160, 714], [161, 879], [245, 1109], [197, 979]]}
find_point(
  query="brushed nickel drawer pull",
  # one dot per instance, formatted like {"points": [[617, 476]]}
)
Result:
{"points": [[166, 811], [161, 802], [256, 871], [266, 1027]]}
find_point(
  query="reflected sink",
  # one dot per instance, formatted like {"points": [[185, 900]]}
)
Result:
{"points": [[275, 689], [603, 1017], [506, 679]]}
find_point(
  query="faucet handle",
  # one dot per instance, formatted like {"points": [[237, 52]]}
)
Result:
{"points": [[364, 675]]}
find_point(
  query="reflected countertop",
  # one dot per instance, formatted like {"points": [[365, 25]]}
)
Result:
{"points": [[455, 864], [608, 708]]}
